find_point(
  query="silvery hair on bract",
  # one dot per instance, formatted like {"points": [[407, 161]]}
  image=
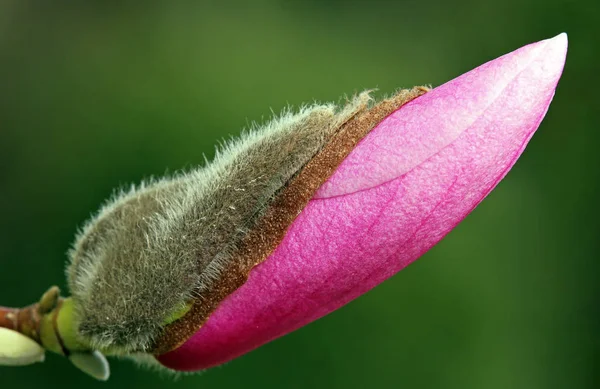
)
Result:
{"points": [[152, 249]]}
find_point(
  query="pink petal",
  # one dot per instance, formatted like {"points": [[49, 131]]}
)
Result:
{"points": [[405, 186]]}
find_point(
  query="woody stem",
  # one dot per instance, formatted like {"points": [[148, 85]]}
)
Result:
{"points": [[8, 318], [24, 320], [27, 320]]}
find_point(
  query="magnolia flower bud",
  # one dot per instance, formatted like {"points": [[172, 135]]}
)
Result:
{"points": [[401, 190], [290, 221]]}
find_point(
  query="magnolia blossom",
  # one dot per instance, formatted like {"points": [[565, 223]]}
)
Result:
{"points": [[401, 190], [137, 267]]}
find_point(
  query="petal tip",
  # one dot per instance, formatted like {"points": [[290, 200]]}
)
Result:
{"points": [[561, 41], [561, 38], [559, 45]]}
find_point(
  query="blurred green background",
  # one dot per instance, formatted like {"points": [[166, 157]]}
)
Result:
{"points": [[98, 94]]}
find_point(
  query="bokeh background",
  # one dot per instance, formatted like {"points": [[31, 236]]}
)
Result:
{"points": [[98, 94]]}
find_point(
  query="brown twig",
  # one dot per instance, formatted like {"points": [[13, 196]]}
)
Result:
{"points": [[24, 320], [8, 318], [27, 320]]}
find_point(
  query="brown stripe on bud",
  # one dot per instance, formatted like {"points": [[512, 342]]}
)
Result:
{"points": [[269, 231]]}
